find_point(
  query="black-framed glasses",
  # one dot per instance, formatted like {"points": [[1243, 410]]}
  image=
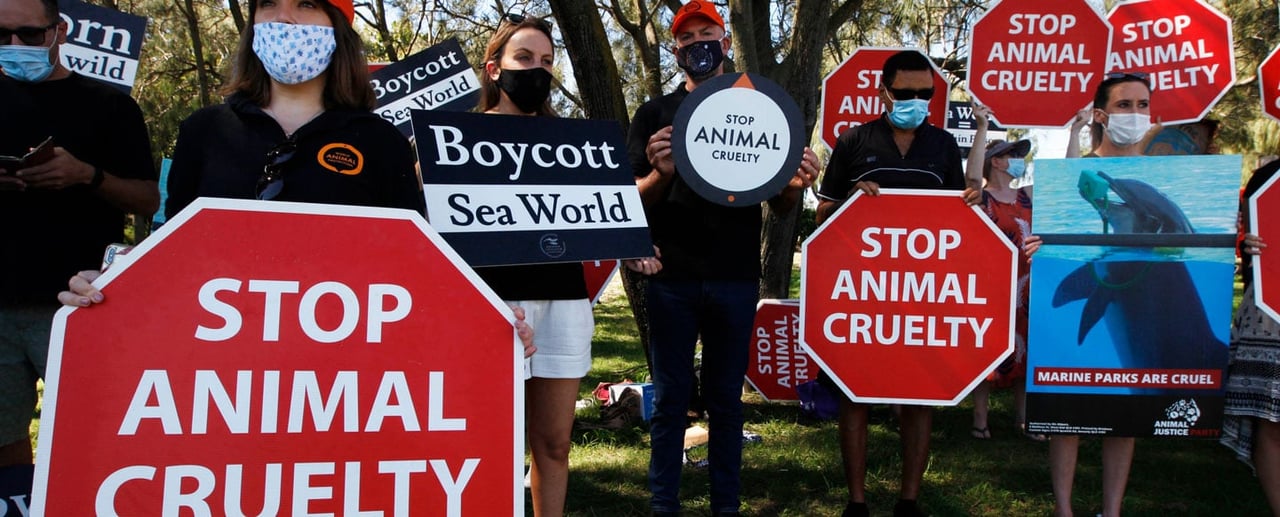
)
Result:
{"points": [[518, 18], [31, 36], [271, 183], [1141, 76], [904, 94]]}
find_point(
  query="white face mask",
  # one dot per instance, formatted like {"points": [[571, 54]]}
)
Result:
{"points": [[292, 53], [1126, 129]]}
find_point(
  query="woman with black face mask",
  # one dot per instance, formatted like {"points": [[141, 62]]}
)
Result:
{"points": [[516, 80]]}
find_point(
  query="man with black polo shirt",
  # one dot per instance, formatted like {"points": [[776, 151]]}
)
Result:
{"points": [[898, 150], [60, 213], [709, 280]]}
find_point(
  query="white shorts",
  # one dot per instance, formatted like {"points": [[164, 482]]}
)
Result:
{"points": [[562, 331]]}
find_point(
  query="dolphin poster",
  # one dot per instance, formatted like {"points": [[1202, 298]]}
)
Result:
{"points": [[1131, 295]]}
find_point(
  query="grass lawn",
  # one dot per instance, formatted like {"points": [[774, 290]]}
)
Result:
{"points": [[796, 470]]}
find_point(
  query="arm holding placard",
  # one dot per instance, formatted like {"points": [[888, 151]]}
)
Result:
{"points": [[805, 175], [977, 156], [658, 151], [1079, 122]]}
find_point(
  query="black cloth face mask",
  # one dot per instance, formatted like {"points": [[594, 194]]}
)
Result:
{"points": [[528, 88], [700, 59]]}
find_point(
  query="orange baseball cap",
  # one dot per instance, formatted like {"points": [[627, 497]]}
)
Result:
{"points": [[694, 9]]}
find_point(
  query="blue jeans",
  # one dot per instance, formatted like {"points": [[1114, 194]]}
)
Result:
{"points": [[721, 312]]}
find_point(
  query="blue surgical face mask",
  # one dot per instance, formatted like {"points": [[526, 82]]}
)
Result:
{"points": [[293, 53], [25, 63], [909, 114], [1017, 167]]}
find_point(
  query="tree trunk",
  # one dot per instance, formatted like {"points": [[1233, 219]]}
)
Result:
{"points": [[188, 9], [593, 66], [237, 14]]}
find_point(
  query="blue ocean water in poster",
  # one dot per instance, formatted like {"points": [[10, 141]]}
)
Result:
{"points": [[1166, 305]]}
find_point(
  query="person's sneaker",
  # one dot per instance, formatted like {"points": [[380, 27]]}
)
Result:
{"points": [[856, 510], [908, 508]]}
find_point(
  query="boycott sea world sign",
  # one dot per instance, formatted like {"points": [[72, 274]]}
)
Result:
{"points": [[438, 78], [104, 44], [296, 368], [1035, 64], [506, 189], [737, 139]]}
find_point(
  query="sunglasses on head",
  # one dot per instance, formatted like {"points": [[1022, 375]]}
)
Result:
{"points": [[518, 18], [271, 183], [904, 94], [1141, 76], [32, 36]]}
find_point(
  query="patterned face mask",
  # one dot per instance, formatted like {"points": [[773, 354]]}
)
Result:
{"points": [[292, 53]]}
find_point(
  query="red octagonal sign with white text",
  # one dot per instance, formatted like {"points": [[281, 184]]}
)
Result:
{"points": [[1035, 64], [908, 297], [1186, 47], [267, 358], [1269, 84], [851, 93], [1264, 212]]}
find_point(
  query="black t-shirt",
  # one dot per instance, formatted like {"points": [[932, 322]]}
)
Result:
{"points": [[51, 234], [343, 156], [698, 239], [868, 153]]}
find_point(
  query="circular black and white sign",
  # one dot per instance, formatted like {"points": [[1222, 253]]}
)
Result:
{"points": [[738, 139]]}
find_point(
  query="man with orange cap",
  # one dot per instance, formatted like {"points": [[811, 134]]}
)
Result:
{"points": [[708, 284]]}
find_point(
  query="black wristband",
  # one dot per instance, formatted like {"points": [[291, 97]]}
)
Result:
{"points": [[98, 176]]}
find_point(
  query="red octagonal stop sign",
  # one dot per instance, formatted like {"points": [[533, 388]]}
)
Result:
{"points": [[280, 358], [908, 297], [1035, 64], [1185, 45], [1269, 84], [851, 96], [1264, 212]]}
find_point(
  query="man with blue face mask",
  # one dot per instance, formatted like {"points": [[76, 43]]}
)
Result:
{"points": [[62, 210], [898, 150]]}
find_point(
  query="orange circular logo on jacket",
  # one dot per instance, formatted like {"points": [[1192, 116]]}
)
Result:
{"points": [[341, 158]]}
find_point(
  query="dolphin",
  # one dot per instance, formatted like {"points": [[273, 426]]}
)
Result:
{"points": [[1151, 307]]}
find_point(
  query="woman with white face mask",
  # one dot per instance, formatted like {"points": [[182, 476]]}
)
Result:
{"points": [[1009, 207], [296, 124], [1120, 117]]}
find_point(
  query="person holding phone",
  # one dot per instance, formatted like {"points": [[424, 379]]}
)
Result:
{"points": [[64, 202]]}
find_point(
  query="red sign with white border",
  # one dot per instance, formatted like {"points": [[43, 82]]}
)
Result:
{"points": [[1185, 45], [908, 297], [777, 363], [285, 358], [1264, 221], [1035, 64], [851, 93], [1269, 84]]}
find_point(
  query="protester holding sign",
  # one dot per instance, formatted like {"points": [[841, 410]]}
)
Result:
{"points": [[65, 204], [517, 81], [897, 150], [295, 128], [1121, 123], [708, 285], [1009, 208], [1251, 425]]}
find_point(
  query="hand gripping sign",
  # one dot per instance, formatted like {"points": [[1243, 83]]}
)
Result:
{"points": [[1185, 45], [285, 359], [1035, 64], [738, 139], [908, 297]]}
